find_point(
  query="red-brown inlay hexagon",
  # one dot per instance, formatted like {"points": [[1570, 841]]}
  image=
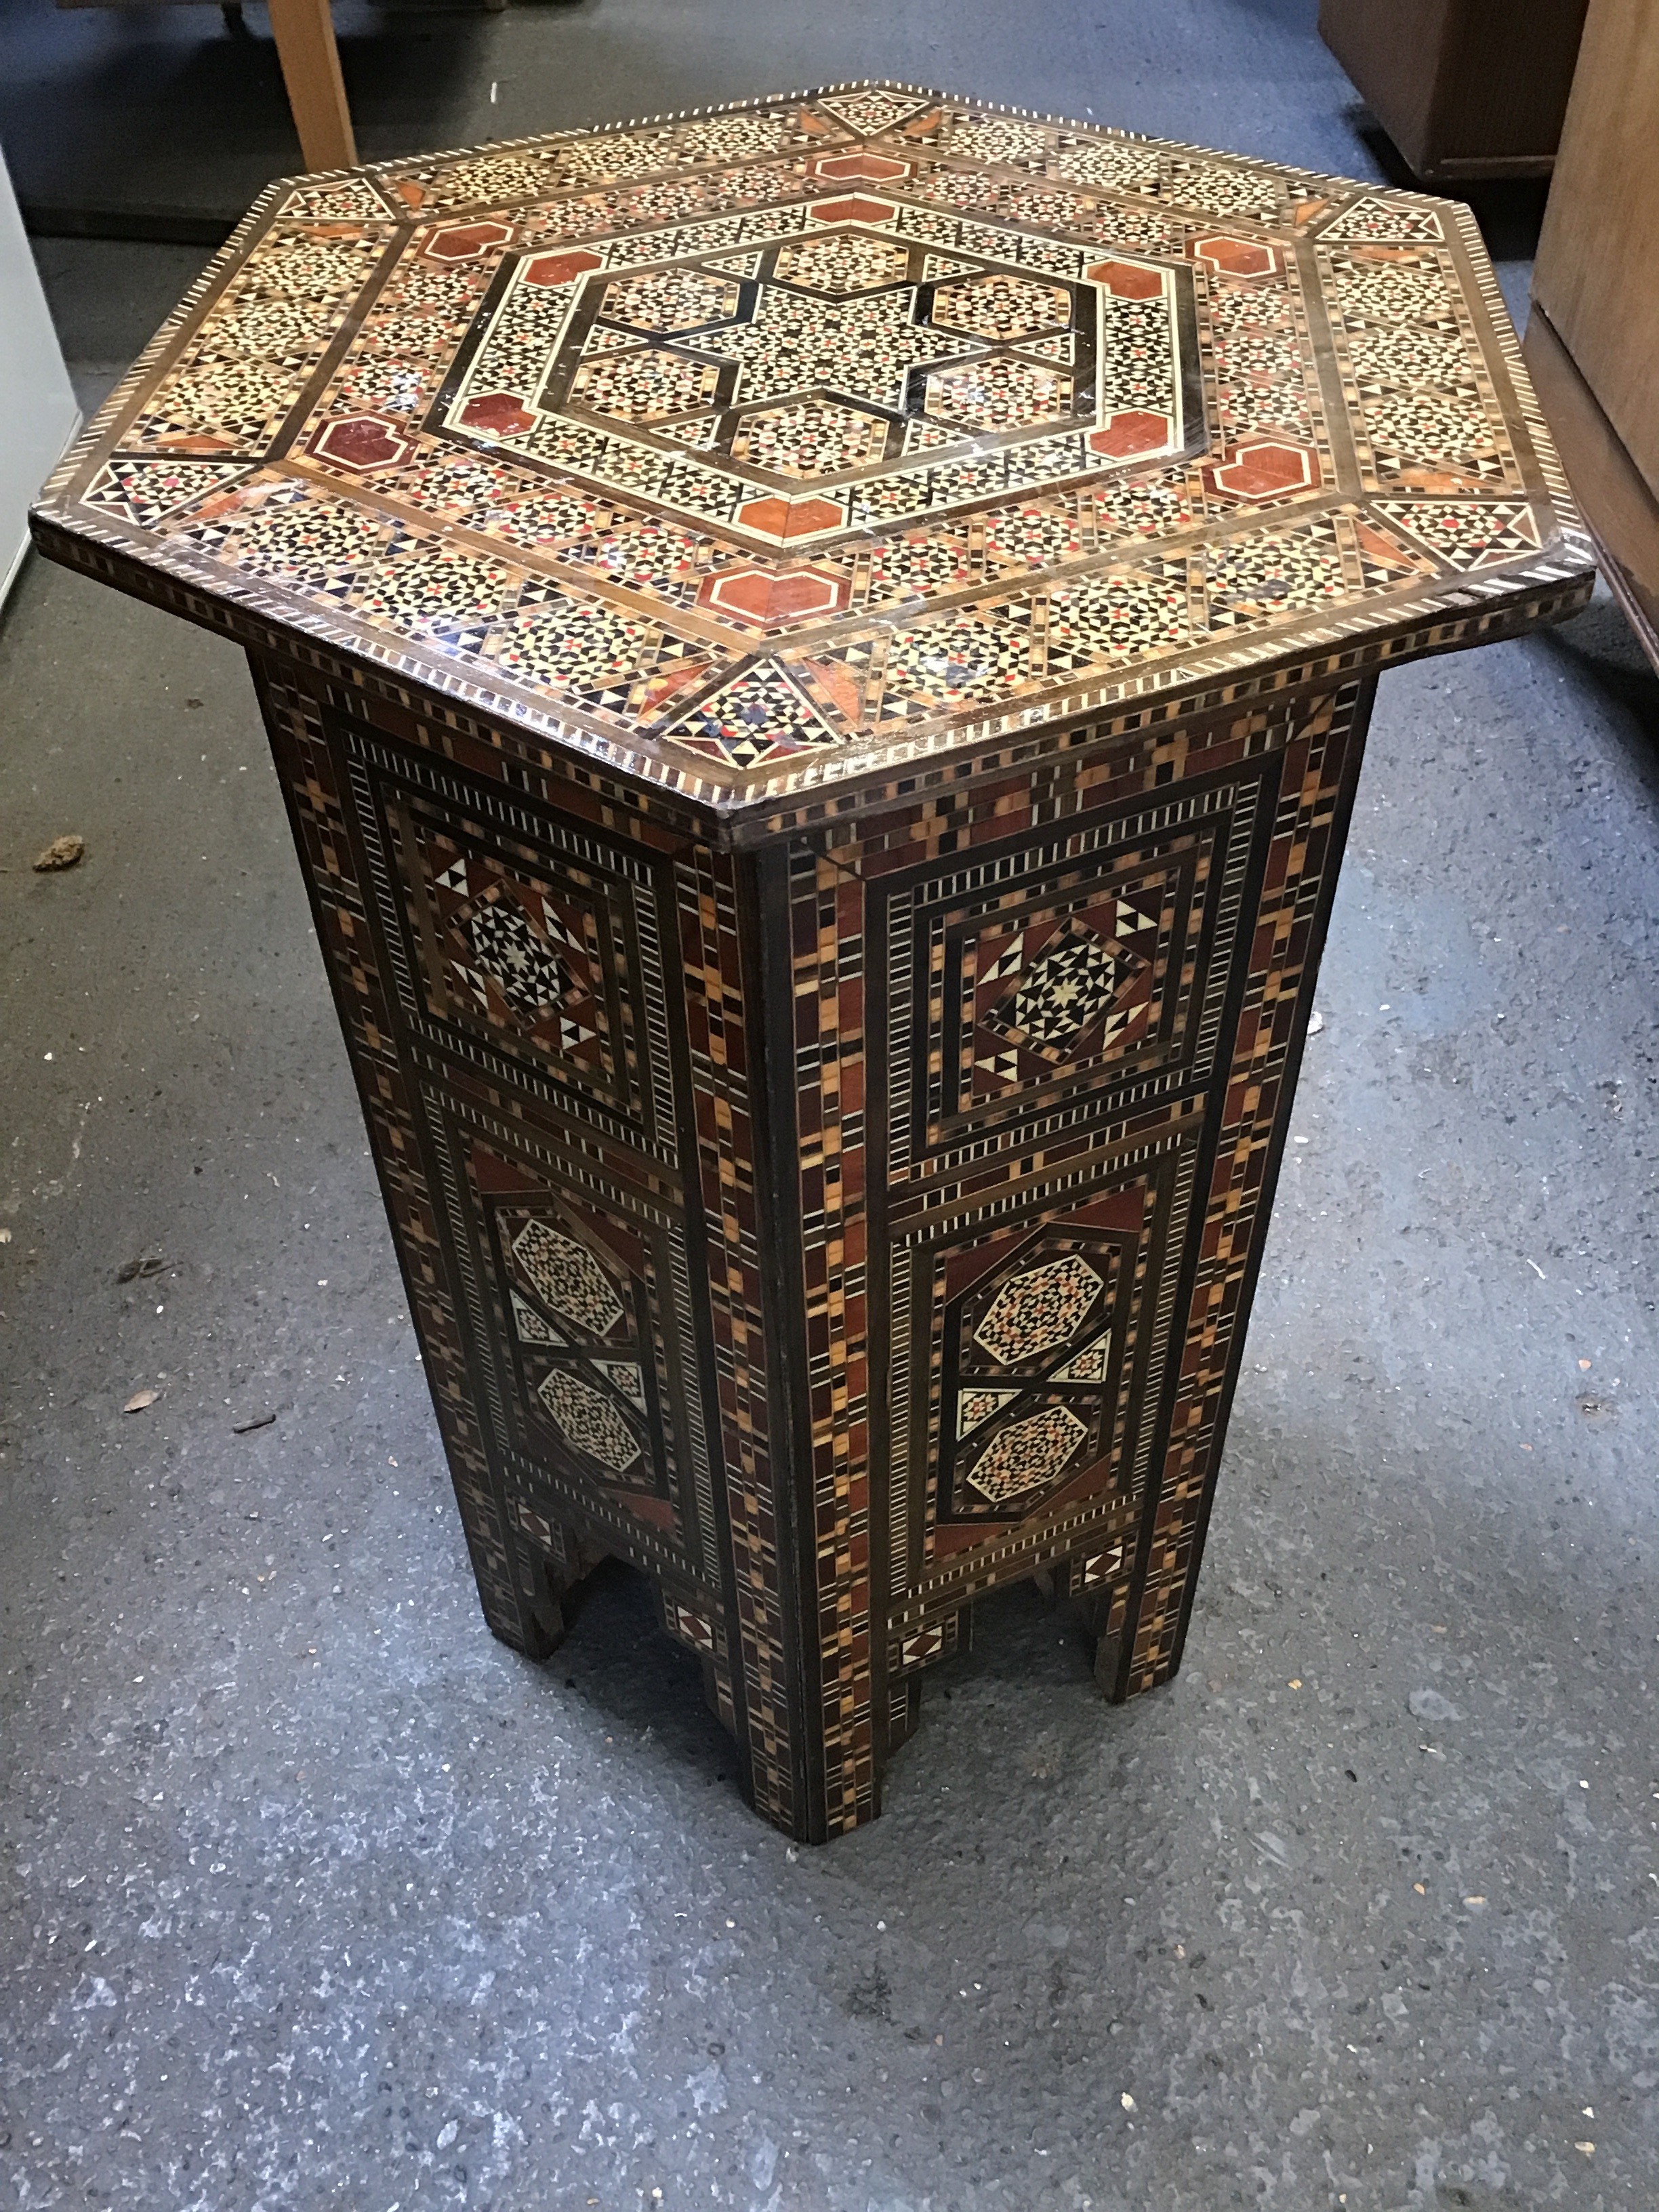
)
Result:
{"points": [[1264, 470], [466, 242], [1125, 281], [790, 518], [359, 441], [502, 412], [853, 210], [1239, 257], [1137, 430], [559, 268], [760, 597], [861, 167]]}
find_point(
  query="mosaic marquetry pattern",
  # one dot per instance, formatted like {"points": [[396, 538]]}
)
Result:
{"points": [[755, 448], [1022, 1291], [818, 655]]}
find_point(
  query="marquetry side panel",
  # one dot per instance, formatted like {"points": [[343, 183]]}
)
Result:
{"points": [[725, 1043], [500, 1560], [1041, 1036], [534, 1063], [1320, 763], [840, 1234]]}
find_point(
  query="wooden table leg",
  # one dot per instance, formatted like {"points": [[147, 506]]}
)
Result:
{"points": [[304, 31]]}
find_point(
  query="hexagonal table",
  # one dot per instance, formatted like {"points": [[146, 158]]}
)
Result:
{"points": [[818, 656]]}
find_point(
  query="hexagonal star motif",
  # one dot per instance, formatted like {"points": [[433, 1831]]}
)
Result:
{"points": [[843, 263], [1001, 306], [998, 394], [670, 300], [812, 321], [640, 387], [812, 438], [862, 348]]}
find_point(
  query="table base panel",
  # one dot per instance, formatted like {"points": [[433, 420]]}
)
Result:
{"points": [[836, 1230]]}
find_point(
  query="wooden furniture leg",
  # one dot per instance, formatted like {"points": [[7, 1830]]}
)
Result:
{"points": [[304, 31]]}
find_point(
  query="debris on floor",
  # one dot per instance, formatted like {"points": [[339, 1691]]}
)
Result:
{"points": [[61, 853]]}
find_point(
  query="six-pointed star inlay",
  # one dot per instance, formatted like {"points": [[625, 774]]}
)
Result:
{"points": [[863, 348]]}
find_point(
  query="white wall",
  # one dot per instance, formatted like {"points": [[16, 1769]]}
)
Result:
{"points": [[37, 405]]}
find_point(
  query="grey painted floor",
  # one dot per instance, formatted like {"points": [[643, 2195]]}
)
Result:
{"points": [[171, 112], [313, 1896]]}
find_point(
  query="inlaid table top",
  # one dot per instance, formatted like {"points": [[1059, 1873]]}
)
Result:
{"points": [[759, 451]]}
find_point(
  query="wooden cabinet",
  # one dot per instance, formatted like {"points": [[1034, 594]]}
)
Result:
{"points": [[1465, 89], [1593, 342]]}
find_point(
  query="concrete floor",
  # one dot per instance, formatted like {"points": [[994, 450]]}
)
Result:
{"points": [[311, 1895]]}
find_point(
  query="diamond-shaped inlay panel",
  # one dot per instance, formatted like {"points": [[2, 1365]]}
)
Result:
{"points": [[568, 1278], [1066, 991], [1038, 1311], [591, 1420], [508, 948], [1056, 993], [528, 969], [1028, 1454]]}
